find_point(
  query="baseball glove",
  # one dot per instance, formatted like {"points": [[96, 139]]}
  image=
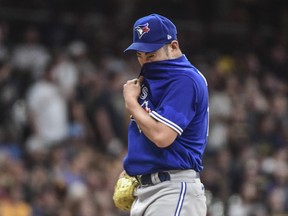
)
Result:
{"points": [[123, 196]]}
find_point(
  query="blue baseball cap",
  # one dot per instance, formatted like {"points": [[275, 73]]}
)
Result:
{"points": [[152, 32]]}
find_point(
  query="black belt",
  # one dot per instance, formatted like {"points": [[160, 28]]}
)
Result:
{"points": [[152, 179], [155, 178]]}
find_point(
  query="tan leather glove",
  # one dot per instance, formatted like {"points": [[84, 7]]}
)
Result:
{"points": [[123, 196]]}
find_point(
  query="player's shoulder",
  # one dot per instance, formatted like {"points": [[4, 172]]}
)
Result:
{"points": [[188, 72], [191, 76]]}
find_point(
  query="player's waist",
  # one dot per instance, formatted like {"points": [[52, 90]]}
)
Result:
{"points": [[171, 175]]}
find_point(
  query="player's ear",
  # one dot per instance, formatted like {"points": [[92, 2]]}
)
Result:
{"points": [[174, 45], [174, 49]]}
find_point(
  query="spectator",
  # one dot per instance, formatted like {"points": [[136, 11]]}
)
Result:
{"points": [[14, 203], [48, 114], [30, 56]]}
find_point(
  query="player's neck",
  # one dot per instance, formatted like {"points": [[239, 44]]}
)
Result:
{"points": [[176, 54]]}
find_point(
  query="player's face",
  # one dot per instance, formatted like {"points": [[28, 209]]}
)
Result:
{"points": [[158, 55]]}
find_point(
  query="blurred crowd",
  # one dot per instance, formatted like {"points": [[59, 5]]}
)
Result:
{"points": [[63, 124]]}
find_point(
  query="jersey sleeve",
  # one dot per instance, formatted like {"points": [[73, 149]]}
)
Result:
{"points": [[177, 107]]}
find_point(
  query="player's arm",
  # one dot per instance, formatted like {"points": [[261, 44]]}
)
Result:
{"points": [[159, 133]]}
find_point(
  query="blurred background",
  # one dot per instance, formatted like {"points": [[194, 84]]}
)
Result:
{"points": [[62, 120]]}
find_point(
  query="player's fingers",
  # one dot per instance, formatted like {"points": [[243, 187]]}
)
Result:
{"points": [[133, 81]]}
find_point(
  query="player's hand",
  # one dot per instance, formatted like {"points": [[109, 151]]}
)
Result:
{"points": [[132, 90]]}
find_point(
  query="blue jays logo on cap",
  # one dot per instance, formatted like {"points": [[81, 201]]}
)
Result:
{"points": [[152, 32], [142, 29]]}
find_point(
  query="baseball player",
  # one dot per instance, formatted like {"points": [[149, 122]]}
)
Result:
{"points": [[167, 134]]}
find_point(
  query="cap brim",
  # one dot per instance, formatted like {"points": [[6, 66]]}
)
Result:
{"points": [[144, 47]]}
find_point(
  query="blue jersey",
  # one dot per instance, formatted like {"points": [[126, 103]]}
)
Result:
{"points": [[175, 93]]}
